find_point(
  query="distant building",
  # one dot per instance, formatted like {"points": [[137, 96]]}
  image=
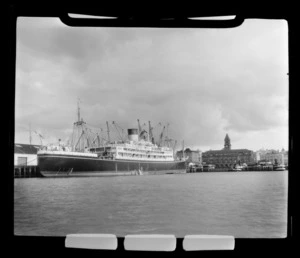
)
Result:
{"points": [[259, 155], [228, 157], [285, 157], [194, 156], [25, 154], [273, 156]]}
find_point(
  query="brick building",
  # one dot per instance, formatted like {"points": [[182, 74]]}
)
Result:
{"points": [[227, 157]]}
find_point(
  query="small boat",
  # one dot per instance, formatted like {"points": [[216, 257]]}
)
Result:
{"points": [[236, 168], [280, 167]]}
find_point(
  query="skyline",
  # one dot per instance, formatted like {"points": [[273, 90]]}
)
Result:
{"points": [[204, 83]]}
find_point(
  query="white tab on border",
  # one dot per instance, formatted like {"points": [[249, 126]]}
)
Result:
{"points": [[150, 242], [208, 242], [92, 241]]}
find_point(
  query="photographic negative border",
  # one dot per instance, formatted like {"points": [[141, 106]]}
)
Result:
{"points": [[155, 16]]}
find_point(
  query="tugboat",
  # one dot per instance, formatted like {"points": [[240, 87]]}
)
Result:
{"points": [[137, 155]]}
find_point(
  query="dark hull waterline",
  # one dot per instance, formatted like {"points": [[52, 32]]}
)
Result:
{"points": [[66, 166]]}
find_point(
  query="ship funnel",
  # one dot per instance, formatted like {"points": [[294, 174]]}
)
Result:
{"points": [[133, 135]]}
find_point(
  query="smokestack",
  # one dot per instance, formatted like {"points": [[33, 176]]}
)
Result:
{"points": [[133, 135]]}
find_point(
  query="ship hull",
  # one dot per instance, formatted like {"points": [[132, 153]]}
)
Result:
{"points": [[67, 166]]}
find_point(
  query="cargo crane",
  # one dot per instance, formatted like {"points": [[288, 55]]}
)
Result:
{"points": [[167, 139], [140, 128], [142, 132], [40, 136], [78, 142], [108, 137], [117, 126], [84, 137], [92, 137], [151, 138], [98, 140], [175, 144], [161, 136]]}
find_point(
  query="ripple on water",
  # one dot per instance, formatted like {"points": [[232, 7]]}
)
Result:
{"points": [[247, 204]]}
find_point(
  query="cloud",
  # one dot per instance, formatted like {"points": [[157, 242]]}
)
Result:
{"points": [[204, 83]]}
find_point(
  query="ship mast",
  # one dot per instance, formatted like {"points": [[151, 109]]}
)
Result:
{"points": [[78, 141], [161, 136], [167, 139], [98, 140], [108, 132], [78, 110], [174, 147], [151, 133], [183, 156], [140, 128], [148, 134], [30, 133]]}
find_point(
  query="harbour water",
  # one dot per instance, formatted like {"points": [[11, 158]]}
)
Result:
{"points": [[242, 204]]}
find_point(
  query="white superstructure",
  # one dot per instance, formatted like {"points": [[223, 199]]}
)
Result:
{"points": [[141, 150], [134, 149]]}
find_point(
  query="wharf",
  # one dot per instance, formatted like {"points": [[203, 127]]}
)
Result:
{"points": [[252, 168], [26, 171]]}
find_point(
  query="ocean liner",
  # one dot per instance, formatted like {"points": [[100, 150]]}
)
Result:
{"points": [[136, 155]]}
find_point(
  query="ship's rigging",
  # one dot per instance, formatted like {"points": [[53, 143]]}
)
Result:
{"points": [[88, 136]]}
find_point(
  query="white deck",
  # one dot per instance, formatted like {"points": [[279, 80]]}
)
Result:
{"points": [[71, 153]]}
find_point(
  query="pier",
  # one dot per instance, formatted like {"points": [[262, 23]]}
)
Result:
{"points": [[229, 170], [26, 171], [257, 168]]}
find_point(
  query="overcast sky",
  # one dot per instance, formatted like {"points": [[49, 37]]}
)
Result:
{"points": [[203, 82]]}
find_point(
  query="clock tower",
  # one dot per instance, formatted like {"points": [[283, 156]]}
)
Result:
{"points": [[227, 145]]}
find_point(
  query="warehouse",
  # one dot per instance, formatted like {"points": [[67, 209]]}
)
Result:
{"points": [[25, 154]]}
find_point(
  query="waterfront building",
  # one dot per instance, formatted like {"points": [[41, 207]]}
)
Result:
{"points": [[194, 156], [273, 156], [25, 154], [227, 157], [285, 158], [260, 154]]}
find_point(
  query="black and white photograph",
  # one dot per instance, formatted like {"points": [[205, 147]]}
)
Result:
{"points": [[181, 131]]}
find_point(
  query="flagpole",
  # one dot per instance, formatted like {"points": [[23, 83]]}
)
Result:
{"points": [[183, 150], [30, 133]]}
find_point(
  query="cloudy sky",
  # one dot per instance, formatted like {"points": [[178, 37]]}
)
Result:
{"points": [[203, 82]]}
